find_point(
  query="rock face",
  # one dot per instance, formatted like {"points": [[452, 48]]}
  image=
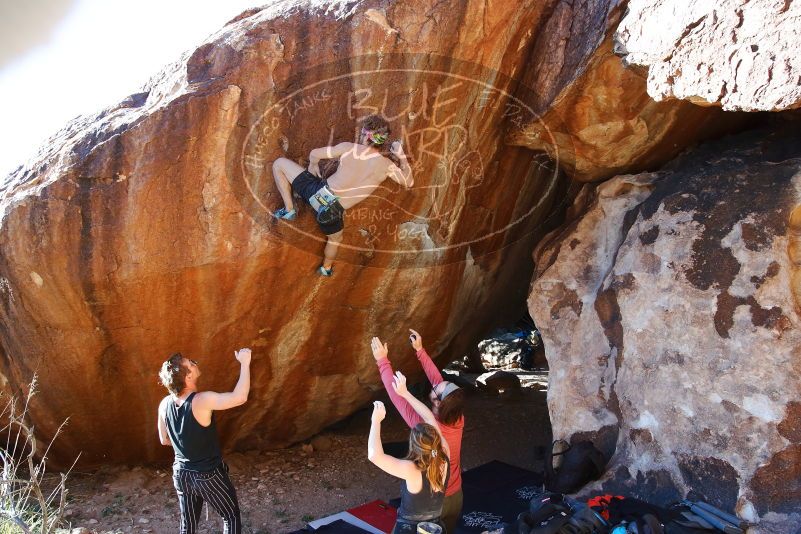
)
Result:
{"points": [[738, 54], [145, 229], [596, 117], [669, 314], [511, 349]]}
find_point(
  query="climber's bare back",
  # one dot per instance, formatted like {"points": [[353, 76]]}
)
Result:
{"points": [[361, 170]]}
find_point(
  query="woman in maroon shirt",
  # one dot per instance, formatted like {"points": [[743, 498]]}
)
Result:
{"points": [[425, 469], [447, 404]]}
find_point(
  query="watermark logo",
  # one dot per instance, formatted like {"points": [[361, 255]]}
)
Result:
{"points": [[481, 519], [446, 180], [526, 493]]}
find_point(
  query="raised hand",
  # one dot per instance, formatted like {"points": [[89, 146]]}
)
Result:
{"points": [[415, 339], [243, 356], [399, 384], [396, 148], [379, 350], [379, 412]]}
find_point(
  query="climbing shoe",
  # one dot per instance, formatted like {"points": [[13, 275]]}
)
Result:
{"points": [[325, 272], [285, 214]]}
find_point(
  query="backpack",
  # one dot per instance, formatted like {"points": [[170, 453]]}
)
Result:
{"points": [[585, 520], [551, 513], [601, 504], [547, 512], [572, 466], [545, 504], [638, 516]]}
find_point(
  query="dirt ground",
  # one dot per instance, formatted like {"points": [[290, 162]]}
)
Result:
{"points": [[280, 491]]}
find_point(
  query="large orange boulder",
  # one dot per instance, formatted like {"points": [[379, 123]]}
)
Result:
{"points": [[145, 229]]}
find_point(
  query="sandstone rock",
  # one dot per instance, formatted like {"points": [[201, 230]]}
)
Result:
{"points": [[737, 54], [470, 362], [671, 328], [499, 382], [321, 442], [145, 229], [462, 380], [509, 349], [538, 359], [595, 115]]}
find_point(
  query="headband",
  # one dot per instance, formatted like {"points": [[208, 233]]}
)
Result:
{"points": [[450, 387], [375, 137]]}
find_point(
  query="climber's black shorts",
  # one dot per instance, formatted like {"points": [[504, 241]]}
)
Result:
{"points": [[306, 185]]}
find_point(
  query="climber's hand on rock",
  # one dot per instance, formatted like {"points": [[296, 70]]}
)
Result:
{"points": [[396, 148], [379, 350], [243, 356], [379, 412], [415, 339]]}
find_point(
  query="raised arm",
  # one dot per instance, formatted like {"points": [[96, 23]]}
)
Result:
{"points": [[330, 152], [164, 436], [210, 400], [381, 353], [375, 450], [326, 152], [429, 368], [401, 174], [399, 385]]}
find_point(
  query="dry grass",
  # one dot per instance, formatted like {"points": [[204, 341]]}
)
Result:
{"points": [[27, 503]]}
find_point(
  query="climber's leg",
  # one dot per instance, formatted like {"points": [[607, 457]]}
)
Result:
{"points": [[284, 173], [331, 249]]}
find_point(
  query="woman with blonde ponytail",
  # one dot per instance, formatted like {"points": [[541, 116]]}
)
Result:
{"points": [[427, 454], [447, 405], [425, 470]]}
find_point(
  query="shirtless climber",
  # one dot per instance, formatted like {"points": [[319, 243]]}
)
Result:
{"points": [[362, 168]]}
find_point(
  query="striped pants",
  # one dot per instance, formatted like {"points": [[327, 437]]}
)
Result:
{"points": [[213, 487]]}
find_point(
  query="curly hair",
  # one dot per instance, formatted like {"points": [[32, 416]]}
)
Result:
{"points": [[376, 124], [425, 450], [173, 374]]}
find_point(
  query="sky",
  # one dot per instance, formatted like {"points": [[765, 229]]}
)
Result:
{"points": [[63, 58]]}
